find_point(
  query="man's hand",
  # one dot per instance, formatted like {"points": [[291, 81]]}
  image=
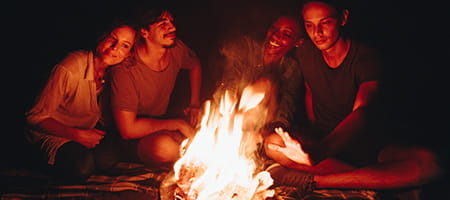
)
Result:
{"points": [[292, 150], [193, 115], [184, 127]]}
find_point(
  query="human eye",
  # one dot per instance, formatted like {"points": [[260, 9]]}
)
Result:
{"points": [[109, 38], [326, 22], [125, 45], [288, 34]]}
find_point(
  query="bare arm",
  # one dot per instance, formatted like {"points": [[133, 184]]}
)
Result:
{"points": [[193, 111], [309, 104], [195, 76], [87, 137], [353, 124], [130, 126]]}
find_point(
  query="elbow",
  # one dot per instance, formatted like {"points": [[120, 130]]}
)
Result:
{"points": [[125, 136], [126, 133], [125, 123]]}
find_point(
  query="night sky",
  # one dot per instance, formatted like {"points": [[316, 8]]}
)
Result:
{"points": [[411, 35]]}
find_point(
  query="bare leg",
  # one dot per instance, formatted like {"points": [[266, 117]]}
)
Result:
{"points": [[160, 148], [398, 167], [326, 166]]}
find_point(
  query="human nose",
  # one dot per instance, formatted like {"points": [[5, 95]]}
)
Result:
{"points": [[115, 45], [171, 26], [273, 34], [318, 30], [277, 34]]}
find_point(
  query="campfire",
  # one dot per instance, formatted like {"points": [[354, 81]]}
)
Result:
{"points": [[220, 162]]}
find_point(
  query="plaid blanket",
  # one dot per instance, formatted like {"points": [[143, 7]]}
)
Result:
{"points": [[126, 181], [130, 181], [291, 193]]}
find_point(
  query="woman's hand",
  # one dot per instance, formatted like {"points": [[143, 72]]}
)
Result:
{"points": [[90, 137]]}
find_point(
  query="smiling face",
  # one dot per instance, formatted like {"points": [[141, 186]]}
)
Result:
{"points": [[281, 37], [162, 32], [116, 46], [322, 23]]}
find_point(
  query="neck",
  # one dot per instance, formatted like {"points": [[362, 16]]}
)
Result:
{"points": [[271, 58], [335, 56], [154, 56], [99, 72], [99, 66]]}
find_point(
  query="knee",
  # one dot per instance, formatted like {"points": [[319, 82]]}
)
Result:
{"points": [[425, 161], [429, 162], [105, 162], [74, 163], [106, 157], [158, 149], [83, 168]]}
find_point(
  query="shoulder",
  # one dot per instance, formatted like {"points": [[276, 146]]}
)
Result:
{"points": [[366, 57], [180, 46], [76, 61], [181, 55], [365, 51], [180, 49], [366, 60], [291, 67], [128, 64], [75, 57]]}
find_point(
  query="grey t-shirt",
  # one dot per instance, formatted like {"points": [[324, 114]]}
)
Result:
{"points": [[137, 88]]}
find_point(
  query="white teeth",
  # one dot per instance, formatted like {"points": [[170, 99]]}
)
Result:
{"points": [[273, 43]]}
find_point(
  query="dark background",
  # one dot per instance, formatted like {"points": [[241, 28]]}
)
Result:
{"points": [[412, 36]]}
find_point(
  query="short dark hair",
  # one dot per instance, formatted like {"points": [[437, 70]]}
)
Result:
{"points": [[150, 16], [339, 5]]}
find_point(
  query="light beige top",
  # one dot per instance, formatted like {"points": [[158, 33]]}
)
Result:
{"points": [[69, 97]]}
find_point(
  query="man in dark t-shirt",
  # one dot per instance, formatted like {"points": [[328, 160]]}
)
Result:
{"points": [[335, 149]]}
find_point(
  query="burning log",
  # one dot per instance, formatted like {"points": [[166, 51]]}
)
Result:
{"points": [[172, 189], [219, 162]]}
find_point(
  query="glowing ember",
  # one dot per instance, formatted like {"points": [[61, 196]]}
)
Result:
{"points": [[219, 162]]}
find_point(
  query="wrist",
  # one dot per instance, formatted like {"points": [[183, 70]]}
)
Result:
{"points": [[72, 133]]}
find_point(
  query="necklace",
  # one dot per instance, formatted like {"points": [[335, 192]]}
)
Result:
{"points": [[99, 79]]}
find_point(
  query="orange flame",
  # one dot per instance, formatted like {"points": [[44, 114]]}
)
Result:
{"points": [[219, 163]]}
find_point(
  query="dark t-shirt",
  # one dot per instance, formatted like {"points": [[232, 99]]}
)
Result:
{"points": [[334, 89], [333, 92]]}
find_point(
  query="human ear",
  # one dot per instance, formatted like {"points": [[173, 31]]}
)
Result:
{"points": [[144, 32], [299, 42], [344, 18]]}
